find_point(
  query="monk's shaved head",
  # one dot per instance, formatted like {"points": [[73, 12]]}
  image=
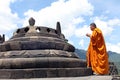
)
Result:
{"points": [[93, 24]]}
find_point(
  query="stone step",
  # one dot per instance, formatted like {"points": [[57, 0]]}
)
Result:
{"points": [[41, 62], [44, 73]]}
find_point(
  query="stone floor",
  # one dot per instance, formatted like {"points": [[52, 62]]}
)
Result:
{"points": [[94, 77]]}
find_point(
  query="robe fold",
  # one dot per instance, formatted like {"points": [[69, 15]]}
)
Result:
{"points": [[97, 56]]}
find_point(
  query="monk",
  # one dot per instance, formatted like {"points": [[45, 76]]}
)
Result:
{"points": [[97, 57]]}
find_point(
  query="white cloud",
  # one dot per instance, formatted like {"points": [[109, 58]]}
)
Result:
{"points": [[69, 31], [81, 32], [8, 20], [81, 43], [78, 20], [113, 47], [114, 22], [5, 6], [70, 13]]}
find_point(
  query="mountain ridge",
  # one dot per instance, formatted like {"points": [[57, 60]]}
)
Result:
{"points": [[113, 56]]}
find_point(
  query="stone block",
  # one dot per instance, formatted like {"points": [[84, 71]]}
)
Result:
{"points": [[5, 74], [61, 72], [59, 46], [15, 46], [69, 48], [40, 73], [28, 73], [52, 72], [16, 73]]}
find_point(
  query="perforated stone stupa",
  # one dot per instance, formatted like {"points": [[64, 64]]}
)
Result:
{"points": [[38, 52]]}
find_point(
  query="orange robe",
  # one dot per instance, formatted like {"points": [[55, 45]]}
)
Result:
{"points": [[97, 56]]}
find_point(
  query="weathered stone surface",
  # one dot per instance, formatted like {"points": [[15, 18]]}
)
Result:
{"points": [[21, 43], [42, 73], [35, 31], [93, 77], [113, 69], [43, 62], [37, 53]]}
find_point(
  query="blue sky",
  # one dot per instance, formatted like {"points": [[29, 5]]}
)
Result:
{"points": [[74, 15]]}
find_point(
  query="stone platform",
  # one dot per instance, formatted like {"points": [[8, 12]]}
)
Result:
{"points": [[94, 77], [43, 73]]}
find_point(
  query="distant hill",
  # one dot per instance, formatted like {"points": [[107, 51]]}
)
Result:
{"points": [[113, 56], [81, 53]]}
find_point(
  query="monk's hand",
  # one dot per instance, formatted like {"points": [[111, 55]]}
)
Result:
{"points": [[88, 35]]}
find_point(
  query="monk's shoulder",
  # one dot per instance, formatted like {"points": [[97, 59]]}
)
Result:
{"points": [[98, 30]]}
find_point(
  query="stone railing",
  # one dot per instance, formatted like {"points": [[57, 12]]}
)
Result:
{"points": [[113, 69]]}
